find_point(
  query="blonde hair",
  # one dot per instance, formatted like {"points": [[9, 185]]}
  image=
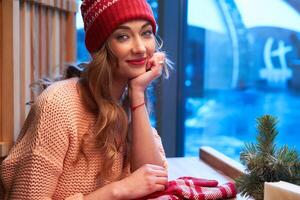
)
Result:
{"points": [[112, 121]]}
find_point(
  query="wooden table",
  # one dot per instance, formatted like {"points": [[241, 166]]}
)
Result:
{"points": [[209, 165], [193, 166]]}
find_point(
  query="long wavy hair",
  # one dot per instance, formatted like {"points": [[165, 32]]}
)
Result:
{"points": [[95, 86], [112, 116]]}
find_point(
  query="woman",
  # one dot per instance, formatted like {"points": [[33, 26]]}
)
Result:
{"points": [[81, 140]]}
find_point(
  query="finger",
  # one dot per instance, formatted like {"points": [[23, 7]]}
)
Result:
{"points": [[156, 60], [160, 173], [157, 71], [155, 166], [160, 61], [161, 180], [150, 63], [161, 58], [160, 55], [159, 187]]}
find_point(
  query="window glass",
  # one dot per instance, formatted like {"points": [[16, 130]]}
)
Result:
{"points": [[242, 61], [82, 53]]}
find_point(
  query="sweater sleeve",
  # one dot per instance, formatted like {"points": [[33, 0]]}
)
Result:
{"points": [[36, 161]]}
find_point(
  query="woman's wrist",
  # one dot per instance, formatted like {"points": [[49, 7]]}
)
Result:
{"points": [[136, 97], [119, 190]]}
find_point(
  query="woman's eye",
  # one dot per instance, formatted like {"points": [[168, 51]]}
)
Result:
{"points": [[122, 37], [147, 33]]}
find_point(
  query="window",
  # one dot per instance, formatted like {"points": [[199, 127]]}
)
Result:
{"points": [[82, 52], [242, 61]]}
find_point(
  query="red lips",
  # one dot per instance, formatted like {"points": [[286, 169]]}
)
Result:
{"points": [[137, 61]]}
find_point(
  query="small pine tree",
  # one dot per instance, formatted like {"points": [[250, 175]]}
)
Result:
{"points": [[265, 162]]}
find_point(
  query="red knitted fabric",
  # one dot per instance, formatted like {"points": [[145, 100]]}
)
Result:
{"points": [[194, 188], [102, 17]]}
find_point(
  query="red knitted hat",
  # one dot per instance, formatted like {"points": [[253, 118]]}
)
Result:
{"points": [[102, 17]]}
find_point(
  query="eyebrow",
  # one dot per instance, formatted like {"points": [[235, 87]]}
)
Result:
{"points": [[128, 28]]}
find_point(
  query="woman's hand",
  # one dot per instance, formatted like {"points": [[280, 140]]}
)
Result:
{"points": [[153, 71], [138, 84], [144, 181]]}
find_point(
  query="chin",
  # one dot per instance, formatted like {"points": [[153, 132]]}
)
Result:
{"points": [[138, 73]]}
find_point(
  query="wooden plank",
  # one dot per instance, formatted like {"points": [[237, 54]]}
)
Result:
{"points": [[42, 41], [10, 76], [26, 58], [53, 41], [62, 41], [47, 50], [65, 5], [1, 67], [56, 43], [16, 69], [50, 14], [7, 73], [22, 60], [31, 66], [70, 41], [4, 149], [193, 166], [221, 162], [34, 34]]}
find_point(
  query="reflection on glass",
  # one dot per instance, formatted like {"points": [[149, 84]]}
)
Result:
{"points": [[241, 63]]}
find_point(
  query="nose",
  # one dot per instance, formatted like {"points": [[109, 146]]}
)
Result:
{"points": [[138, 46]]}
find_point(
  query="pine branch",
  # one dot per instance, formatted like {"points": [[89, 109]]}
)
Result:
{"points": [[265, 163], [266, 134]]}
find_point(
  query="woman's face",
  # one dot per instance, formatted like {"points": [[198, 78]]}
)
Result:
{"points": [[133, 44]]}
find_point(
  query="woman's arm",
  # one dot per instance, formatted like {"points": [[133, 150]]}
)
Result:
{"points": [[144, 147], [144, 181]]}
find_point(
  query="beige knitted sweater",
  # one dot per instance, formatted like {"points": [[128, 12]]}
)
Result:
{"points": [[42, 164]]}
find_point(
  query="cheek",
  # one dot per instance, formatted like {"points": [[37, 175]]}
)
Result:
{"points": [[150, 45], [118, 50], [120, 53]]}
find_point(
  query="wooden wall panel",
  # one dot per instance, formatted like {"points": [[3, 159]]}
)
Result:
{"points": [[26, 58], [1, 47], [34, 36], [7, 72], [70, 41], [50, 16], [56, 43], [23, 60], [43, 43], [63, 35], [15, 82], [38, 38], [65, 5]]}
